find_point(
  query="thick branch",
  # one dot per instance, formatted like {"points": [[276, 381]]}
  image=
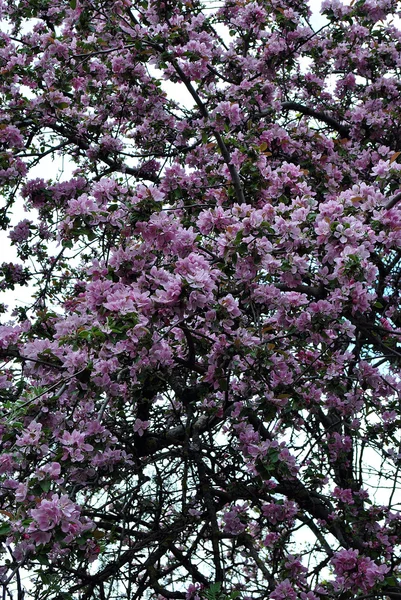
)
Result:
{"points": [[316, 114], [191, 568], [150, 443], [391, 203], [211, 509], [317, 292], [308, 500], [343, 130]]}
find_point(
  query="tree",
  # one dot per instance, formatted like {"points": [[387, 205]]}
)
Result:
{"points": [[202, 400]]}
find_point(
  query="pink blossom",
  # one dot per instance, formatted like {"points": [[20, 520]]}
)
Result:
{"points": [[357, 572], [83, 205], [74, 445], [232, 519], [51, 470], [231, 305], [21, 231], [229, 110], [120, 301], [7, 463], [11, 136], [47, 516], [171, 292], [21, 492], [192, 592], [280, 512], [196, 271], [59, 511], [344, 495], [141, 426], [31, 435], [283, 591]]}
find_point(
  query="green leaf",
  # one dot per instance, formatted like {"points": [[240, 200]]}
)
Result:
{"points": [[5, 529], [81, 541], [43, 559], [273, 457], [45, 485], [213, 592]]}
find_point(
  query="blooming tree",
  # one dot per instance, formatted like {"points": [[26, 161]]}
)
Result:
{"points": [[203, 398]]}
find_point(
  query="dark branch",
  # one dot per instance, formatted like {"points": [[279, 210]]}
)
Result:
{"points": [[343, 130], [391, 203]]}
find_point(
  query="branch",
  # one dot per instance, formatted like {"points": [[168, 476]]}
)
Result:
{"points": [[317, 292], [220, 142], [343, 130], [211, 509], [391, 203], [11, 353], [319, 535], [192, 570], [308, 500], [246, 540], [73, 137], [150, 443], [162, 539], [320, 116]]}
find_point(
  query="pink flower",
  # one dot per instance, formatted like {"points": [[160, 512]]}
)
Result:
{"points": [[192, 592], [40, 537], [195, 269], [231, 305], [46, 517], [58, 511], [83, 205], [344, 496], [21, 492], [283, 591], [355, 572], [232, 520], [382, 168], [51, 470], [7, 463], [74, 445], [140, 427], [11, 137], [31, 435], [171, 293], [278, 513], [120, 301], [229, 110], [111, 144], [21, 232]]}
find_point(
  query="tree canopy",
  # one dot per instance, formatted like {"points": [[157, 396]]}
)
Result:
{"points": [[202, 400]]}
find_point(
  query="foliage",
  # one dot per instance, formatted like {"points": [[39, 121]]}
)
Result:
{"points": [[202, 400]]}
